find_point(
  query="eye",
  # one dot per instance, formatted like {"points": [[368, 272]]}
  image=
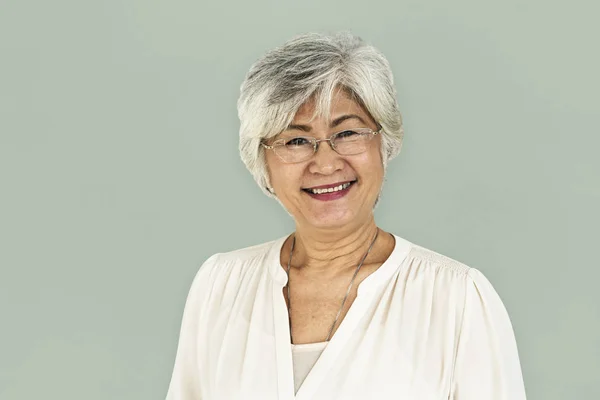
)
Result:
{"points": [[347, 134], [297, 141]]}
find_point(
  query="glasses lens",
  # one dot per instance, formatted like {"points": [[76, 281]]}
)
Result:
{"points": [[353, 141], [294, 149]]}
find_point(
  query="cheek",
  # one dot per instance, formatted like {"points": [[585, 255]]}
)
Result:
{"points": [[370, 165], [377, 161], [273, 169], [282, 175]]}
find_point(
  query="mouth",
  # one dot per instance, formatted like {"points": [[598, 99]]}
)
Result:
{"points": [[330, 192]]}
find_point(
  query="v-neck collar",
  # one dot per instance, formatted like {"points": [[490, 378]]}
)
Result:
{"points": [[285, 372]]}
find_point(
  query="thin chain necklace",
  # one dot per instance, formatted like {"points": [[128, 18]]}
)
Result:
{"points": [[287, 285]]}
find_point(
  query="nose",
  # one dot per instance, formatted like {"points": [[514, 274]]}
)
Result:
{"points": [[326, 161], [328, 140]]}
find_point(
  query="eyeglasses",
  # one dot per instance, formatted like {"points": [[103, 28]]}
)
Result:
{"points": [[300, 148]]}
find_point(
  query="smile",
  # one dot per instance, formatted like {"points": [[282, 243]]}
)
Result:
{"points": [[331, 189], [324, 191]]}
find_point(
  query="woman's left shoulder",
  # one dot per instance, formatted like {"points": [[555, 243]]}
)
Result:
{"points": [[428, 260], [422, 260]]}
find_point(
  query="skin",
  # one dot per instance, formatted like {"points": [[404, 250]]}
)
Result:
{"points": [[331, 236]]}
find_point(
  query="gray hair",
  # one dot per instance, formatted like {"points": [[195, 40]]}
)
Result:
{"points": [[307, 67]]}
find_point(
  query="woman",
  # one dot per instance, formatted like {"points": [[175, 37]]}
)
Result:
{"points": [[339, 309]]}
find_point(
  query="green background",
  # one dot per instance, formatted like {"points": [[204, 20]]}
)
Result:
{"points": [[119, 172]]}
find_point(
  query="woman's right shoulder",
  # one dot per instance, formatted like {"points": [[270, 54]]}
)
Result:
{"points": [[238, 261]]}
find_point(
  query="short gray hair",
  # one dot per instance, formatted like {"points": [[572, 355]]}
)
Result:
{"points": [[312, 66]]}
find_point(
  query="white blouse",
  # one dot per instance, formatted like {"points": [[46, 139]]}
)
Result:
{"points": [[422, 327]]}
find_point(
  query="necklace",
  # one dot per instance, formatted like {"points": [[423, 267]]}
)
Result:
{"points": [[287, 285]]}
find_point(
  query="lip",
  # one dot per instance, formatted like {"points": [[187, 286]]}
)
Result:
{"points": [[332, 185], [332, 195]]}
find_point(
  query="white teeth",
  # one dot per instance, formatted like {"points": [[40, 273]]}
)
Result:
{"points": [[330, 190]]}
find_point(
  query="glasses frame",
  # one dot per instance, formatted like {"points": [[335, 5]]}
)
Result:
{"points": [[315, 142]]}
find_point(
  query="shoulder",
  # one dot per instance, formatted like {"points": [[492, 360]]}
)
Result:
{"points": [[449, 275], [427, 263], [427, 259], [243, 256], [236, 262], [454, 285]]}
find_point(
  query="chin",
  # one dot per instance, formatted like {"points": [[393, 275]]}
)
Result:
{"points": [[332, 219]]}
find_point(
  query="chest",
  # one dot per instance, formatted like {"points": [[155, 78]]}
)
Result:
{"points": [[312, 319], [388, 344], [318, 308]]}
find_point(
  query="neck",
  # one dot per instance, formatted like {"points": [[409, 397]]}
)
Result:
{"points": [[331, 252]]}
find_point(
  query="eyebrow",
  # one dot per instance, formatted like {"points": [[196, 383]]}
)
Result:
{"points": [[334, 123]]}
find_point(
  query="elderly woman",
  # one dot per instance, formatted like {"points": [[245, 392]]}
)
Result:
{"points": [[339, 309]]}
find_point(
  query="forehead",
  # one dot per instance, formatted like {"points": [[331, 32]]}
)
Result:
{"points": [[341, 103]]}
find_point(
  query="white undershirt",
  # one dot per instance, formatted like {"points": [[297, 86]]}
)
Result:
{"points": [[304, 357]]}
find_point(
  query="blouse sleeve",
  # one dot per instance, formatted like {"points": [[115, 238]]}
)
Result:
{"points": [[487, 365], [185, 384]]}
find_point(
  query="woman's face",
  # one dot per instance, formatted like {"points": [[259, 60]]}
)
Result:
{"points": [[326, 168]]}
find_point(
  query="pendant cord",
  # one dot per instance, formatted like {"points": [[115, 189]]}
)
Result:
{"points": [[347, 292]]}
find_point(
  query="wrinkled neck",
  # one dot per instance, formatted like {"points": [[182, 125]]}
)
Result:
{"points": [[331, 252]]}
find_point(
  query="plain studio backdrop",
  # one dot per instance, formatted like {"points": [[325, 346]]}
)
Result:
{"points": [[120, 174]]}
